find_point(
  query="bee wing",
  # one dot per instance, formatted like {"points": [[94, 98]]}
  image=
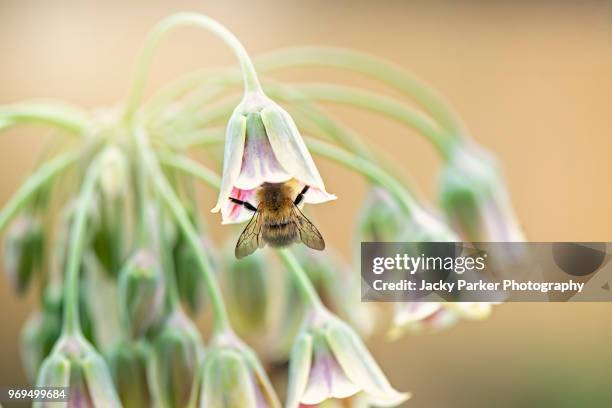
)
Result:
{"points": [[250, 239], [309, 234]]}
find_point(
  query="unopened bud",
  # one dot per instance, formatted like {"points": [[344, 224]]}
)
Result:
{"points": [[141, 292], [177, 352], [127, 362], [23, 251]]}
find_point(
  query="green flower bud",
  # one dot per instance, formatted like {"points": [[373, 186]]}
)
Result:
{"points": [[474, 197], [115, 174], [127, 362], [381, 219], [177, 352], [141, 292], [191, 285], [234, 378], [246, 284], [23, 251], [75, 364]]}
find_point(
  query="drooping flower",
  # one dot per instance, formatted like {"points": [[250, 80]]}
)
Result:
{"points": [[474, 197], [232, 377], [329, 360], [263, 145], [74, 363]]}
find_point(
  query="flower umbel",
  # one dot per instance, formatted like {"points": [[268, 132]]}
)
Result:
{"points": [[263, 145]]}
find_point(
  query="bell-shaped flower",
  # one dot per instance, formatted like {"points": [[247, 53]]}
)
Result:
{"points": [[233, 377], [329, 360], [75, 364], [474, 197], [263, 145]]}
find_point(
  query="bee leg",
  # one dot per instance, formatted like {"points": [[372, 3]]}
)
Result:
{"points": [[300, 196], [246, 204]]}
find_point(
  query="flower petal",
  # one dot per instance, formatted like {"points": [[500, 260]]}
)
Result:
{"points": [[232, 213], [299, 368], [99, 382], [227, 383], [288, 146], [259, 164], [232, 158], [326, 379], [359, 365]]}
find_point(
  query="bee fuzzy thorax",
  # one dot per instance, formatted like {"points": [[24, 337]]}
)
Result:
{"points": [[277, 219]]}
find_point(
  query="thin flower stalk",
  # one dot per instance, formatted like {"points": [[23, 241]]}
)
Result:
{"points": [[60, 115], [251, 83], [221, 320]]}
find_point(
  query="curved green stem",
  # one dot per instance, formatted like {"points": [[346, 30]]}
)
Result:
{"points": [[347, 95], [380, 104], [71, 324], [191, 167], [64, 117], [303, 283], [221, 320], [44, 175], [251, 82], [384, 71]]}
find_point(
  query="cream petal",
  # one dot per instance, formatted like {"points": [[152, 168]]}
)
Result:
{"points": [[409, 312], [232, 213], [232, 157], [299, 368], [289, 148], [326, 379], [227, 382], [359, 365], [99, 382], [318, 196], [259, 164]]}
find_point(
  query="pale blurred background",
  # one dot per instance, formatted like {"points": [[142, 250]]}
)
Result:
{"points": [[533, 83]]}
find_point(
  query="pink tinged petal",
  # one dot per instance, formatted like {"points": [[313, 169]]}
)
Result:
{"points": [[327, 379], [99, 382], [299, 368], [359, 365], [259, 164], [232, 158], [289, 148], [232, 213], [414, 311]]}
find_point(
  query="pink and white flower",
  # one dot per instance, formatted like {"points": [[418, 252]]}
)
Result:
{"points": [[329, 361], [263, 145]]}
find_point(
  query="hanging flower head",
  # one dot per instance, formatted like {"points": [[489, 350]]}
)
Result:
{"points": [[329, 360], [263, 145]]}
